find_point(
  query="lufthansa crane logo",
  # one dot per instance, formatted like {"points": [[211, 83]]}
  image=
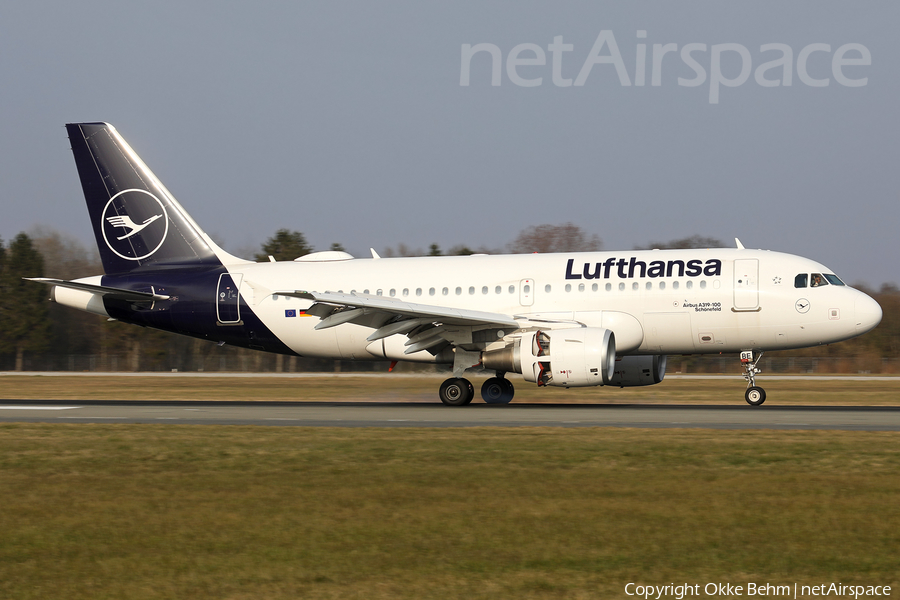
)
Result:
{"points": [[134, 224], [127, 223]]}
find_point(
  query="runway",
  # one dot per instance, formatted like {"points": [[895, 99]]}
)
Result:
{"points": [[334, 414]]}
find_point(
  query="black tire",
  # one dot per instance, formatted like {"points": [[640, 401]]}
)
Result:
{"points": [[755, 395], [497, 390], [456, 392], [508, 391], [492, 391]]}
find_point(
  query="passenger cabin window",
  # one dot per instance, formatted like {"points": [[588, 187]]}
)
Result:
{"points": [[800, 280]]}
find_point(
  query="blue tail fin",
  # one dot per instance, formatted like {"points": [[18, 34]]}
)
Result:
{"points": [[137, 222]]}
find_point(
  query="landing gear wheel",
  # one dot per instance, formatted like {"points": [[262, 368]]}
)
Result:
{"points": [[497, 390], [508, 390], [457, 391], [755, 395]]}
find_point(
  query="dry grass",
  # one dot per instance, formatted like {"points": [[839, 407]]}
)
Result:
{"points": [[141, 511], [424, 389]]}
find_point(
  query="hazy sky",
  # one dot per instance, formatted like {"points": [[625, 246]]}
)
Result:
{"points": [[348, 121]]}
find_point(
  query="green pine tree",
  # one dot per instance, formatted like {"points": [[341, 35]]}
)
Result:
{"points": [[284, 245], [23, 304]]}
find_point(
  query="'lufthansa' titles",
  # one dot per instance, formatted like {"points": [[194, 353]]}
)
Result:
{"points": [[631, 268]]}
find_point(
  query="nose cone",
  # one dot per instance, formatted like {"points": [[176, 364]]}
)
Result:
{"points": [[868, 313]]}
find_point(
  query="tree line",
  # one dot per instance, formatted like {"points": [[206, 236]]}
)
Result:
{"points": [[39, 335]]}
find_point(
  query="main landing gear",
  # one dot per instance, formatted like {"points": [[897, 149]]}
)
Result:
{"points": [[497, 390], [754, 395], [458, 391]]}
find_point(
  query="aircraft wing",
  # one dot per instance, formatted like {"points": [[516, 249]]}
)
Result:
{"points": [[109, 292], [425, 323]]}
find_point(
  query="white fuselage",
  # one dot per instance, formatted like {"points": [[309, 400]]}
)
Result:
{"points": [[657, 302]]}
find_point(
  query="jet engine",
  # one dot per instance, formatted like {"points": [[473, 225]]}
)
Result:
{"points": [[639, 370], [562, 357]]}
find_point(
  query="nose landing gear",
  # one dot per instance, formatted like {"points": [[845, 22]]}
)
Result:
{"points": [[754, 395]]}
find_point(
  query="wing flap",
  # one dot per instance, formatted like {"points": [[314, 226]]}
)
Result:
{"points": [[394, 306]]}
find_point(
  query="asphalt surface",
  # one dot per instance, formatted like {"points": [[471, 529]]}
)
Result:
{"points": [[335, 414]]}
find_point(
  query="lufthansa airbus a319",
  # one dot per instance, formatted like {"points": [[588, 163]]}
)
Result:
{"points": [[559, 320]]}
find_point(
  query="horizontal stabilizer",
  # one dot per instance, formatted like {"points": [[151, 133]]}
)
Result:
{"points": [[109, 292]]}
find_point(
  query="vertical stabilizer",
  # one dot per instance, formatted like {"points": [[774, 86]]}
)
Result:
{"points": [[137, 222]]}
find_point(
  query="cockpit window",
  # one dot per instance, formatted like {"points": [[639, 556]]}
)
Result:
{"points": [[816, 280]]}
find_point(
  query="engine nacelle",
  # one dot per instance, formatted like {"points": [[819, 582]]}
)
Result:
{"points": [[561, 357], [639, 370]]}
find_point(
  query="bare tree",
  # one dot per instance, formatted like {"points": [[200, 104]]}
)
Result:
{"points": [[694, 241], [402, 250], [567, 237], [462, 250], [64, 256]]}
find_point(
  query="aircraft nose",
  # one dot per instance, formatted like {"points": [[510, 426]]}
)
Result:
{"points": [[868, 313]]}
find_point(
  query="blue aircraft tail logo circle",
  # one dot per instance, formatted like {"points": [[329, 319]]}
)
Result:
{"points": [[134, 224]]}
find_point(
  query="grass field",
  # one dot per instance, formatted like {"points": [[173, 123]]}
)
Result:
{"points": [[154, 511], [424, 389]]}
